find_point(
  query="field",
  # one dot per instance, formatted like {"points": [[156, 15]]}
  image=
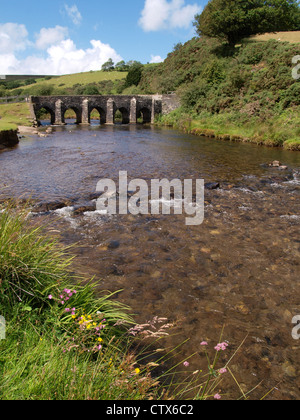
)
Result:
{"points": [[292, 37], [70, 80], [12, 115]]}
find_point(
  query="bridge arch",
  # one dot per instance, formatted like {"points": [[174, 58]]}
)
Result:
{"points": [[78, 113], [145, 114], [101, 111], [41, 110], [125, 112]]}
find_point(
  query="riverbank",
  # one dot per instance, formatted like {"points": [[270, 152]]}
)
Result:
{"points": [[281, 131]]}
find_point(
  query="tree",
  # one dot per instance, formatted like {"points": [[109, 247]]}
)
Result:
{"points": [[134, 75], [91, 90], [234, 20], [121, 66], [108, 66]]}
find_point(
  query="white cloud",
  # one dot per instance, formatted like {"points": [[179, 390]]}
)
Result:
{"points": [[156, 59], [13, 37], [62, 58], [50, 36], [164, 14], [74, 14]]}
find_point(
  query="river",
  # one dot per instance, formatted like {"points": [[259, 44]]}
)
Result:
{"points": [[239, 269]]}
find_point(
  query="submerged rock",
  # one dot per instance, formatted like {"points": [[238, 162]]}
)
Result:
{"points": [[46, 207], [212, 185]]}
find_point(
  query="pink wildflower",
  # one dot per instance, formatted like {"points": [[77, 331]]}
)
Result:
{"points": [[204, 343], [222, 371], [186, 364], [217, 397], [221, 346], [67, 310], [50, 297]]}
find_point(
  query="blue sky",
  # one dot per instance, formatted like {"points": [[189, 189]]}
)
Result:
{"points": [[60, 37]]}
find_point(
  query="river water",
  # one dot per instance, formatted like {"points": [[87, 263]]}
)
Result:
{"points": [[238, 270]]}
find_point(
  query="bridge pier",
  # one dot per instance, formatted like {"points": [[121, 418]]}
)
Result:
{"points": [[85, 118], [110, 114], [58, 113], [132, 115]]}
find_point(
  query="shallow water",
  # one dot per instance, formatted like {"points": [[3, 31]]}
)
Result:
{"points": [[240, 268]]}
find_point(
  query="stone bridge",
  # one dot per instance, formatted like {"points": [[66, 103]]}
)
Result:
{"points": [[131, 107]]}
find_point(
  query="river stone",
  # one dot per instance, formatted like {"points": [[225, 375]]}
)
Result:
{"points": [[80, 209], [212, 185], [9, 138], [289, 370], [45, 207], [113, 244]]}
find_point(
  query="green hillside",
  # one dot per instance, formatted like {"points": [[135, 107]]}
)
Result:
{"points": [[246, 93], [92, 82]]}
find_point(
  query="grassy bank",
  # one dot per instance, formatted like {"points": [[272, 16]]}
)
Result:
{"points": [[245, 93], [13, 115], [281, 131]]}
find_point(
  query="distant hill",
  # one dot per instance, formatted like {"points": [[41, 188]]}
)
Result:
{"points": [[70, 80], [92, 82]]}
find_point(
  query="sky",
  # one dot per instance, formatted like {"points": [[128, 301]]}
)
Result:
{"points": [[58, 37]]}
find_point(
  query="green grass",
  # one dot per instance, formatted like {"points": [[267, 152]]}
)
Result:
{"points": [[49, 352], [281, 131], [13, 115], [293, 37], [86, 78]]}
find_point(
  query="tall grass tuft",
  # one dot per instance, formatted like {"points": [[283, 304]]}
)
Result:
{"points": [[31, 265]]}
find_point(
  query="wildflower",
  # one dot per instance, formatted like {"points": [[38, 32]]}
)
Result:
{"points": [[222, 371], [67, 310], [204, 343], [50, 297], [186, 364], [137, 371], [221, 346], [99, 347], [217, 397]]}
